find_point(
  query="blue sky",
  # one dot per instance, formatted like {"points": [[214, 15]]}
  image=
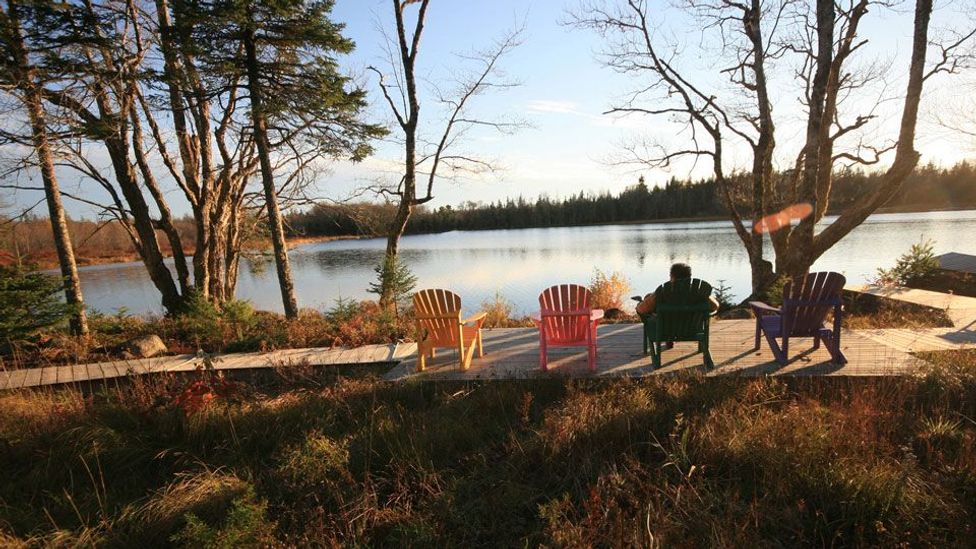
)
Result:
{"points": [[564, 89]]}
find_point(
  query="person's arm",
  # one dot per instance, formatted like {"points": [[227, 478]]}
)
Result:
{"points": [[646, 306], [713, 302]]}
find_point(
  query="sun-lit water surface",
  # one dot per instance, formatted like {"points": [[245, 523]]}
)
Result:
{"points": [[518, 264]]}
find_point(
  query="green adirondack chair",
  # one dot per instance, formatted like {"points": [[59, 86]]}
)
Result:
{"points": [[682, 313]]}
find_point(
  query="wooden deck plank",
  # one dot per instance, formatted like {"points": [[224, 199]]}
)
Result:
{"points": [[17, 379]]}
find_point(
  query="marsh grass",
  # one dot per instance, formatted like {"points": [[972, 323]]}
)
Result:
{"points": [[347, 459]]}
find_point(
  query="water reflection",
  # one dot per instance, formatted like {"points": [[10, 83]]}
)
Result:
{"points": [[520, 263]]}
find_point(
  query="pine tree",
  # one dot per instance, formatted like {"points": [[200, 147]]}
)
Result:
{"points": [[283, 51]]}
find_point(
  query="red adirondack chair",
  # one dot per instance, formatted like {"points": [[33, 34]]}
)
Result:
{"points": [[565, 319], [806, 303]]}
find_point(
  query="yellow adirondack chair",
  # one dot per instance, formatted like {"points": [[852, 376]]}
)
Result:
{"points": [[439, 325]]}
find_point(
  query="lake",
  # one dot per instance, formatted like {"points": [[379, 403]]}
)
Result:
{"points": [[518, 264]]}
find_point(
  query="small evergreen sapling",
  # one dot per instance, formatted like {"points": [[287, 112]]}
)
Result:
{"points": [[393, 278], [29, 302]]}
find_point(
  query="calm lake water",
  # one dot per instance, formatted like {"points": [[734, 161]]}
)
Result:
{"points": [[518, 264]]}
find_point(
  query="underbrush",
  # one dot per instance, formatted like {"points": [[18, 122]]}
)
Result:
{"points": [[355, 461], [236, 327], [865, 311]]}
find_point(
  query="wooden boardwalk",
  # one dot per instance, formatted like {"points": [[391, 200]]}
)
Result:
{"points": [[960, 309], [513, 353], [57, 375]]}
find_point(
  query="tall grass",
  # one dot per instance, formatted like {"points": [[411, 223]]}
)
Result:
{"points": [[352, 460]]}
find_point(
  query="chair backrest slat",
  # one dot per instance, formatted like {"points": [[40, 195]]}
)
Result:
{"points": [[437, 302], [561, 299], [682, 308], [808, 300]]}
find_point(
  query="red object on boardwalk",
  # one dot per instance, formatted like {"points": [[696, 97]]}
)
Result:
{"points": [[566, 319]]}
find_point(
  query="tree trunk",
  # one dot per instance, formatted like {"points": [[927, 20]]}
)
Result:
{"points": [[42, 147], [267, 179]]}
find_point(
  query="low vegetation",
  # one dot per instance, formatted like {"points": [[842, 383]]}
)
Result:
{"points": [[351, 460], [236, 327], [609, 290], [865, 311]]}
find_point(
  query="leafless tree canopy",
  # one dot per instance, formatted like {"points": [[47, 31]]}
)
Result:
{"points": [[814, 51]]}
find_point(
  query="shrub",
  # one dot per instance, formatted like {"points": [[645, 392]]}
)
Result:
{"points": [[246, 525], [608, 291], [499, 310], [362, 323], [29, 302], [915, 265]]}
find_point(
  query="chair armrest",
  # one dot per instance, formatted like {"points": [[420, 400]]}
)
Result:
{"points": [[478, 318], [596, 314], [762, 309]]}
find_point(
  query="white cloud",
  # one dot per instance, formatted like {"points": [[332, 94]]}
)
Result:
{"points": [[559, 107]]}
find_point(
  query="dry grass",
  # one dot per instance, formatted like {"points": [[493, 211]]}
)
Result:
{"points": [[355, 461], [864, 311], [236, 328], [609, 292]]}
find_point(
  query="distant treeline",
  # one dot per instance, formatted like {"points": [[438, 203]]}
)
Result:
{"points": [[29, 241], [929, 188]]}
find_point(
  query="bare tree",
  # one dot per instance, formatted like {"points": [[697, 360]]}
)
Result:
{"points": [[424, 159], [752, 35], [21, 79]]}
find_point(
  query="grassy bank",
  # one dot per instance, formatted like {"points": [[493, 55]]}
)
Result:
{"points": [[352, 460]]}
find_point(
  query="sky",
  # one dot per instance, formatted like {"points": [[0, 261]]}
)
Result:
{"points": [[568, 145]]}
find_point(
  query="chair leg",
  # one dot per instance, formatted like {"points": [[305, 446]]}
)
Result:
{"points": [[779, 353], [543, 362], [656, 354], [707, 357], [755, 346], [481, 351], [832, 343], [421, 358]]}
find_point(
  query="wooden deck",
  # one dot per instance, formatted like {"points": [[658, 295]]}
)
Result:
{"points": [[954, 261], [514, 354], [960, 309]]}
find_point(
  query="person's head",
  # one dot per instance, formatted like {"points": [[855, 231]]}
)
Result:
{"points": [[680, 270]]}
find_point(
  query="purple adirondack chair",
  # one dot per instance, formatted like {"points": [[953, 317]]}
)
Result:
{"points": [[806, 302]]}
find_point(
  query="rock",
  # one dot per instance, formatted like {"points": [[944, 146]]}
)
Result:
{"points": [[145, 346]]}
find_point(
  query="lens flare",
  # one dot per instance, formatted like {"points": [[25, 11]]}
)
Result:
{"points": [[783, 218]]}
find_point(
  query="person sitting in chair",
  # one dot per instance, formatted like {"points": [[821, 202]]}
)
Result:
{"points": [[678, 271]]}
